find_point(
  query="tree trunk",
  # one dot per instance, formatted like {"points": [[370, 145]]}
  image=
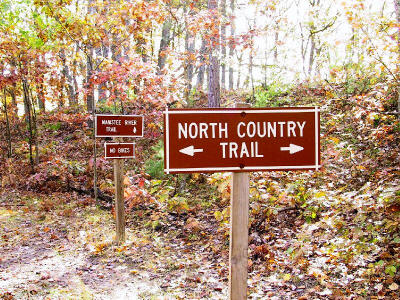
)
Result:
{"points": [[276, 44], [397, 8], [68, 79], [8, 132], [74, 80], [101, 53], [251, 64], [213, 68], [231, 44], [90, 102], [40, 97], [223, 43], [126, 52], [89, 86], [35, 130], [312, 55], [188, 64], [164, 43], [240, 60], [115, 51], [13, 95], [200, 74], [28, 118]]}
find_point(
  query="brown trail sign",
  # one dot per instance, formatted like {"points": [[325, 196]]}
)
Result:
{"points": [[241, 139], [119, 126], [119, 150]]}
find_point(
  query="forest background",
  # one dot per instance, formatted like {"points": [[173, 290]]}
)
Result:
{"points": [[331, 233]]}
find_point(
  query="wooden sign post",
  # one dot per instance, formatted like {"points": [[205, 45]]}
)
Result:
{"points": [[119, 200], [241, 140], [239, 233], [119, 126]]}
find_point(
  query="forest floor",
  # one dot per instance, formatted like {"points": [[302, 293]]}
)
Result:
{"points": [[331, 234], [57, 249]]}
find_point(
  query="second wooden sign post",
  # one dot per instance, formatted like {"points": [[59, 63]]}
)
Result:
{"points": [[118, 126]]}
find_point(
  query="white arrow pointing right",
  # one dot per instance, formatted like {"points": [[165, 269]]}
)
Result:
{"points": [[292, 148]]}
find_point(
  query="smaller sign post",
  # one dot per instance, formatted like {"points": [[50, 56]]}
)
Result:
{"points": [[119, 200], [119, 151], [119, 126]]}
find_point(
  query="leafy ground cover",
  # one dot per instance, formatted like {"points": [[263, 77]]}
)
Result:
{"points": [[329, 234]]}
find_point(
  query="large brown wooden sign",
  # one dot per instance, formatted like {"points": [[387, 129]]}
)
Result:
{"points": [[119, 126], [119, 150], [241, 139]]}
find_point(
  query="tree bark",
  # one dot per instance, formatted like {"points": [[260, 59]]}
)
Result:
{"points": [[201, 69], [223, 43], [68, 79], [312, 53], [164, 43], [74, 80], [35, 130], [231, 44], [13, 95], [28, 118], [188, 64], [89, 86], [397, 8], [240, 60], [8, 131], [213, 67], [251, 64], [115, 51]]}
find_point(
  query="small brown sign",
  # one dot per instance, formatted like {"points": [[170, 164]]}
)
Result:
{"points": [[119, 150], [241, 139], [119, 126]]}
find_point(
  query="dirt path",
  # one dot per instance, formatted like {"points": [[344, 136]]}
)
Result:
{"points": [[52, 247], [61, 254]]}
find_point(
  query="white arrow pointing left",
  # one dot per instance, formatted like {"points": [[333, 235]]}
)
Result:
{"points": [[292, 148], [190, 150]]}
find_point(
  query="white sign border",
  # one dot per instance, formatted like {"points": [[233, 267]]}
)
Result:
{"points": [[119, 157], [110, 115], [316, 166]]}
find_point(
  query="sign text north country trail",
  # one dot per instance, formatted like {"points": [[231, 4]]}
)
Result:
{"points": [[241, 139]]}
